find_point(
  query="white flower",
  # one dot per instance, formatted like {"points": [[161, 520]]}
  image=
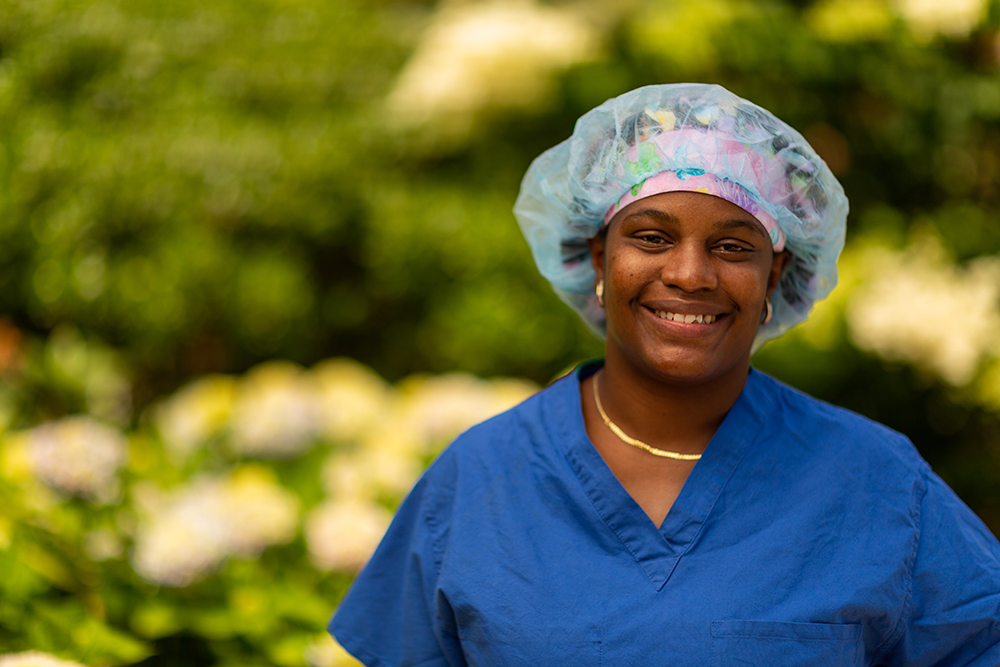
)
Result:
{"points": [[212, 518], [258, 512], [34, 659], [371, 471], [174, 551], [341, 535], [195, 413], [917, 307], [477, 55], [439, 408], [78, 456], [955, 18], [353, 397], [277, 413]]}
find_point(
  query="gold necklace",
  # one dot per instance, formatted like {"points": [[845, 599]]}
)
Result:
{"points": [[632, 441]]}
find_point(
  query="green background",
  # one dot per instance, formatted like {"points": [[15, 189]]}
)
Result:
{"points": [[193, 188]]}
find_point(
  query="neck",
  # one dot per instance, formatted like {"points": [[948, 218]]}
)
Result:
{"points": [[672, 415]]}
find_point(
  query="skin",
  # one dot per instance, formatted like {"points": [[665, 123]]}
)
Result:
{"points": [[667, 383]]}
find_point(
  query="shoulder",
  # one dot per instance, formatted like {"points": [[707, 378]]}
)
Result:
{"points": [[852, 441]]}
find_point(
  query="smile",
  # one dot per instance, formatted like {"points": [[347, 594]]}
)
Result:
{"points": [[686, 319]]}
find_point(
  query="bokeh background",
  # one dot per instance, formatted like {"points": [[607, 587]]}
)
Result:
{"points": [[258, 265]]}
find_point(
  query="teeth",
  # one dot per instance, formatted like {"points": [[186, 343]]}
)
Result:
{"points": [[687, 319]]}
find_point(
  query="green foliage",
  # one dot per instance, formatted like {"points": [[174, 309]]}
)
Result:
{"points": [[205, 185], [209, 185], [190, 188]]}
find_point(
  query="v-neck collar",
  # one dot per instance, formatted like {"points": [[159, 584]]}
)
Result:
{"points": [[657, 550]]}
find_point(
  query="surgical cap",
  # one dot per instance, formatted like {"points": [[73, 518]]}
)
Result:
{"points": [[687, 137]]}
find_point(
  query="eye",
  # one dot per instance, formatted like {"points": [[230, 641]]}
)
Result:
{"points": [[731, 247], [651, 238]]}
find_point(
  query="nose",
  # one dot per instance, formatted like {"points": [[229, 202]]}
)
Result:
{"points": [[689, 268]]}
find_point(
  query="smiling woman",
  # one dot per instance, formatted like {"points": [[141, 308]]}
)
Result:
{"points": [[669, 504]]}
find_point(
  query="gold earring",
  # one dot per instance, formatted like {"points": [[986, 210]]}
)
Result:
{"points": [[600, 292], [768, 311]]}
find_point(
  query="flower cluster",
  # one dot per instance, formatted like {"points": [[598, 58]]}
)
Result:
{"points": [[352, 396], [377, 439], [488, 54], [439, 408], [918, 307], [276, 413], [78, 456], [278, 410], [196, 413], [342, 534], [954, 19], [191, 532], [34, 659]]}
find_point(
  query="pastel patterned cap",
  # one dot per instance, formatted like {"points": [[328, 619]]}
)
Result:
{"points": [[684, 137]]}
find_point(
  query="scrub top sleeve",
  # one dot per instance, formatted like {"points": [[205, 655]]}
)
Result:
{"points": [[954, 615], [387, 618]]}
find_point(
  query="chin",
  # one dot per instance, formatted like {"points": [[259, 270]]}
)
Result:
{"points": [[682, 365], [691, 377]]}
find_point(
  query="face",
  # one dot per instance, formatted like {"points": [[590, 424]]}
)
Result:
{"points": [[685, 278]]}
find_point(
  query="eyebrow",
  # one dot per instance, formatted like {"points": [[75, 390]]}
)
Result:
{"points": [[662, 216], [733, 223], [755, 226]]}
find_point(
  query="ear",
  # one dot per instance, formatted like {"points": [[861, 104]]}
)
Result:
{"points": [[597, 245], [778, 264]]}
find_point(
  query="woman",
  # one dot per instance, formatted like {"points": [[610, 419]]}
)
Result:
{"points": [[672, 506]]}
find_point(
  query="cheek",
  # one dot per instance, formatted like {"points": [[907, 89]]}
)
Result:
{"points": [[622, 270], [748, 284]]}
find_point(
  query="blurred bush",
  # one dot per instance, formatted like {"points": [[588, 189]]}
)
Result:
{"points": [[225, 539], [205, 185]]}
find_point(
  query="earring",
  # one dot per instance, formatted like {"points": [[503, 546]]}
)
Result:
{"points": [[600, 292], [765, 317]]}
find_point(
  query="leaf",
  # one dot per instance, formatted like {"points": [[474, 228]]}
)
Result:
{"points": [[154, 620]]}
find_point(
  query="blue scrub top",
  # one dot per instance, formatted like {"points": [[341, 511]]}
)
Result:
{"points": [[805, 535]]}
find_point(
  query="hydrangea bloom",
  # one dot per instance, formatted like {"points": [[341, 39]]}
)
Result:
{"points": [[211, 519], [479, 55], [34, 659], [353, 397], [277, 413], [341, 535], [372, 471], [78, 456], [196, 413], [439, 408], [882, 318]]}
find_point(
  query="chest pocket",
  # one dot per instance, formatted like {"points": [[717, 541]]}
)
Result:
{"points": [[780, 644]]}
